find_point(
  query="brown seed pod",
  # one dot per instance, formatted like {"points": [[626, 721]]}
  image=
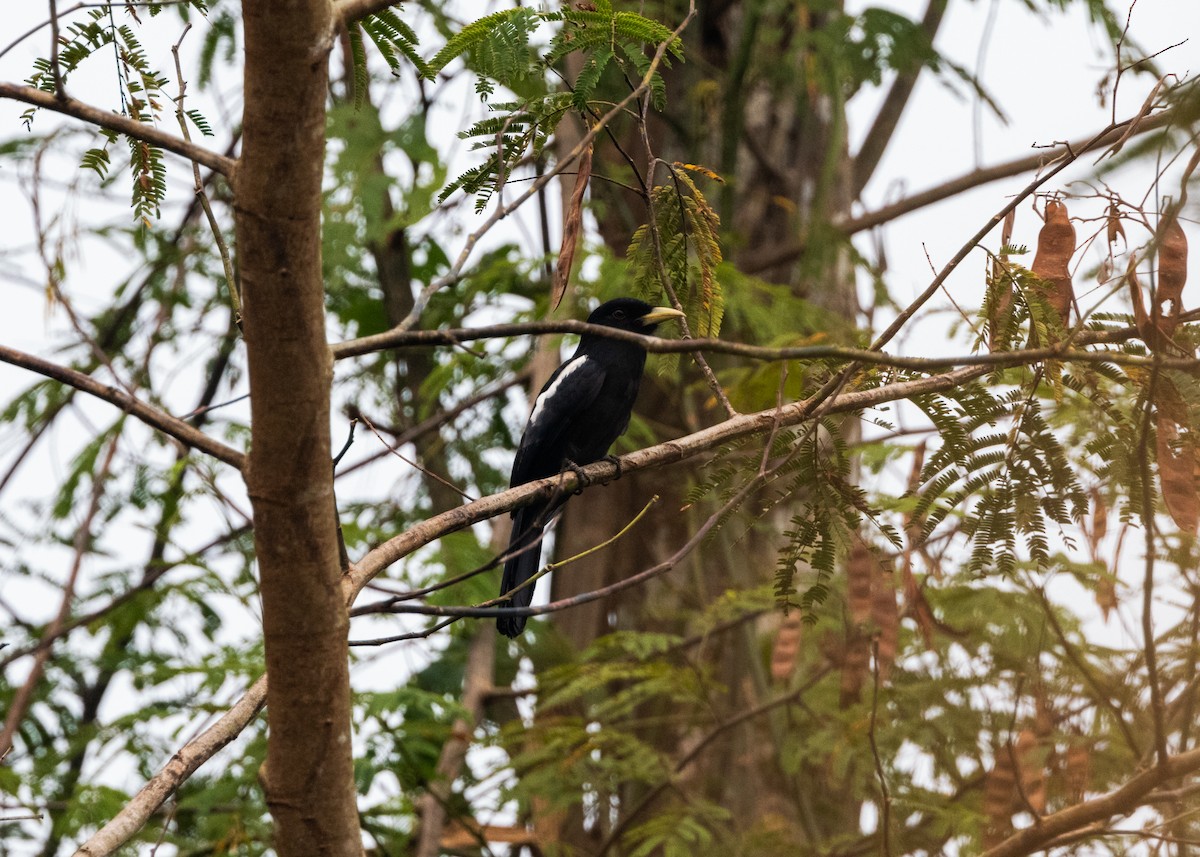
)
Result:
{"points": [[886, 617], [786, 649], [1141, 318], [1031, 758], [572, 228], [1078, 769], [860, 568], [1177, 474], [1172, 274], [999, 794], [1052, 262]]}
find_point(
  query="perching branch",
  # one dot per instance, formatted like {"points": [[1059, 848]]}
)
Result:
{"points": [[656, 345], [121, 124]]}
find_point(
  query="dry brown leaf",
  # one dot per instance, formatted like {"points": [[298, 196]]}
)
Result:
{"points": [[786, 649], [1177, 474], [1113, 223], [572, 229], [1052, 261]]}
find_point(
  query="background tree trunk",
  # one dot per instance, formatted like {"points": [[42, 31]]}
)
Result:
{"points": [[783, 153]]}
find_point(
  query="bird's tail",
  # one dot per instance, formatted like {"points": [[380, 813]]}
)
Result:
{"points": [[525, 545]]}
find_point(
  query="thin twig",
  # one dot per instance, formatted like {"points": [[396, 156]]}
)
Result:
{"points": [[83, 537], [885, 810], [235, 300]]}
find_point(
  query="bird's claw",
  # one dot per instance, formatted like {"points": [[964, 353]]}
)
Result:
{"points": [[615, 462], [580, 477]]}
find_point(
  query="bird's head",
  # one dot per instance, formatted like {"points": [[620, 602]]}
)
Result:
{"points": [[632, 314]]}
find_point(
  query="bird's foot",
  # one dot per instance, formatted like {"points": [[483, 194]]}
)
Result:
{"points": [[615, 462], [581, 478]]}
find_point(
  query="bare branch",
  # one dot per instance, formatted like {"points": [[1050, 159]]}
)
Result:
{"points": [[121, 124], [656, 345], [1134, 793], [1042, 158], [151, 416], [892, 109], [122, 827]]}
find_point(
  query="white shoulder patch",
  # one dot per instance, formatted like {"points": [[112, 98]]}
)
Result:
{"points": [[548, 393]]}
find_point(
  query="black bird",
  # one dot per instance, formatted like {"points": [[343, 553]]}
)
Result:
{"points": [[583, 408]]}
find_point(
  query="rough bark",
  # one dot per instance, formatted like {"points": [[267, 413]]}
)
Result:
{"points": [[308, 775]]}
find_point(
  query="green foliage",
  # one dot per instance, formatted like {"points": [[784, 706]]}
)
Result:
{"points": [[1019, 479], [678, 252], [816, 481], [498, 49]]}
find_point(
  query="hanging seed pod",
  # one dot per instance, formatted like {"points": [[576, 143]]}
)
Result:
{"points": [[1172, 274], [1052, 262], [1078, 769], [1031, 759], [854, 669], [1106, 596], [572, 228], [786, 649], [999, 792], [860, 567], [1141, 318], [1177, 474], [886, 617], [1002, 305]]}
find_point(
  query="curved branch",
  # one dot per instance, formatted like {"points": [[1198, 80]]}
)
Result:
{"points": [[671, 452], [121, 124], [151, 416], [1125, 799], [122, 827]]}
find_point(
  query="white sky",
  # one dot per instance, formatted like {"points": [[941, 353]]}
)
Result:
{"points": [[1043, 72]]}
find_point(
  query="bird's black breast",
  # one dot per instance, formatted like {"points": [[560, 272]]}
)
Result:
{"points": [[582, 410]]}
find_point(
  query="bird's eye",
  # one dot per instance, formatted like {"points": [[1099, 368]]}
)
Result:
{"points": [[619, 315]]}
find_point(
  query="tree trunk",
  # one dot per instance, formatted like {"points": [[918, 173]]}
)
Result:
{"points": [[308, 775]]}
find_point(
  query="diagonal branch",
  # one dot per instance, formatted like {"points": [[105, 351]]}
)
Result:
{"points": [[151, 416], [888, 117], [1134, 793], [121, 124], [1040, 159]]}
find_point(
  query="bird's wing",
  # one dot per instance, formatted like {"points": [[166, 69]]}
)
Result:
{"points": [[571, 389]]}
